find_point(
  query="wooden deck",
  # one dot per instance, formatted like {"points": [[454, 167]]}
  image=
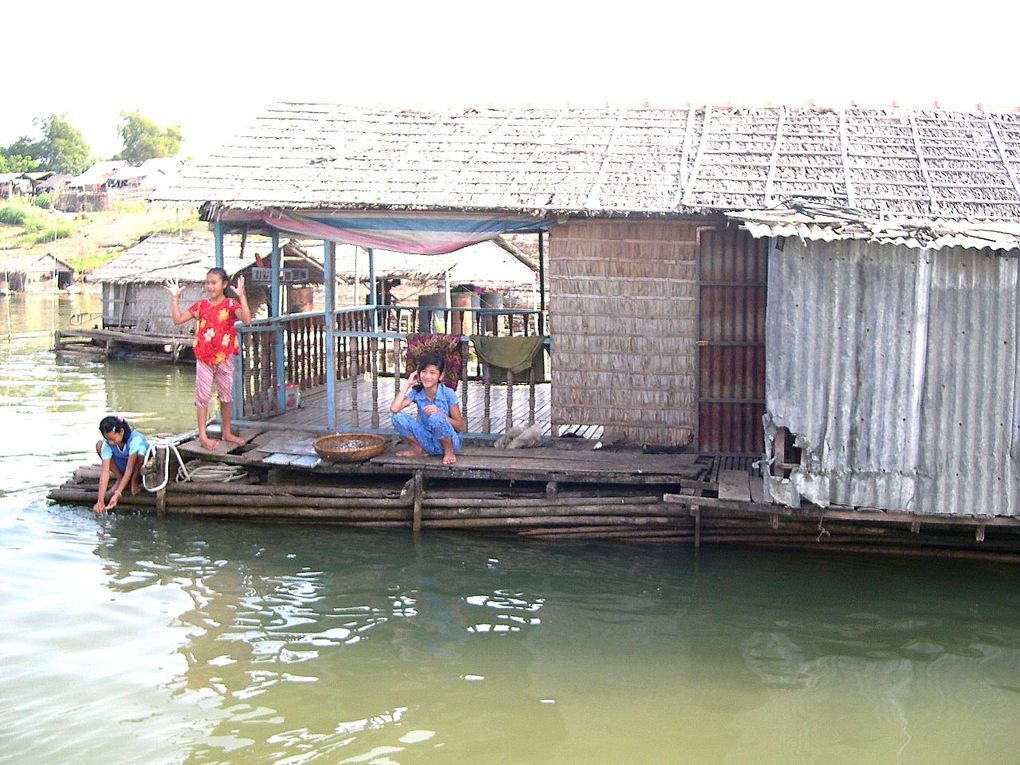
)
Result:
{"points": [[567, 490], [357, 400]]}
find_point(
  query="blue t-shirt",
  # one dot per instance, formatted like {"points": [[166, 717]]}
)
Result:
{"points": [[446, 399], [136, 444]]}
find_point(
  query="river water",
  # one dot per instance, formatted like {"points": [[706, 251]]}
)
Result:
{"points": [[128, 640]]}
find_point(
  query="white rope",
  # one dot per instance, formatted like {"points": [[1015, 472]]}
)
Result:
{"points": [[196, 470]]}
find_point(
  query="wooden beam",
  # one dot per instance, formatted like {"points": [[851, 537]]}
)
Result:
{"points": [[934, 204], [770, 178], [844, 141], [685, 152], [692, 178]]}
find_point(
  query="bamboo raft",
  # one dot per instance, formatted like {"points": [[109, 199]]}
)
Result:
{"points": [[564, 491]]}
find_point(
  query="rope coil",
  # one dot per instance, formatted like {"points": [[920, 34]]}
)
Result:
{"points": [[196, 470]]}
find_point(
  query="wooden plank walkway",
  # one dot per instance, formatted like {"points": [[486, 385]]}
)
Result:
{"points": [[355, 403]]}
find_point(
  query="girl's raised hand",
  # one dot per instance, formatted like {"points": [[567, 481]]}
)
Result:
{"points": [[240, 286], [173, 287]]}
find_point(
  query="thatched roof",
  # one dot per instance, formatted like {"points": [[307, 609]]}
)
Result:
{"points": [[187, 259], [493, 264], [610, 162], [29, 263]]}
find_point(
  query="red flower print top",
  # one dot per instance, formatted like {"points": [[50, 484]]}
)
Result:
{"points": [[215, 338]]}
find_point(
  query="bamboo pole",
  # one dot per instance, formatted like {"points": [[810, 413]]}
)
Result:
{"points": [[227, 500], [559, 501], [447, 513], [394, 517], [541, 520]]}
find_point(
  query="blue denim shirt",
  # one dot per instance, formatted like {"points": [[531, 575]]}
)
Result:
{"points": [[446, 399]]}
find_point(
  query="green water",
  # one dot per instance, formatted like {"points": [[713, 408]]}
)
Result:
{"points": [[127, 640]]}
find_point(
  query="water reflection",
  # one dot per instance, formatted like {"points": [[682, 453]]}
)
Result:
{"points": [[129, 640], [328, 645], [316, 642]]}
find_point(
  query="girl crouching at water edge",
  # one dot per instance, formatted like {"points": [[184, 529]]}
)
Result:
{"points": [[436, 431], [215, 344], [123, 452]]}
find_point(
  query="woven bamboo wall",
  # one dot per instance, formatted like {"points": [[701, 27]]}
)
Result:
{"points": [[147, 309], [623, 314]]}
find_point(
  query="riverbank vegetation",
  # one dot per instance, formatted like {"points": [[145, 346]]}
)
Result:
{"points": [[85, 240]]}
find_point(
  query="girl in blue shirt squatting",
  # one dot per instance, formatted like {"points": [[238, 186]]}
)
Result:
{"points": [[436, 430], [123, 452]]}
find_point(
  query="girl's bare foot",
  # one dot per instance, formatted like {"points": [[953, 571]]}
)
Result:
{"points": [[209, 443], [449, 458], [233, 438], [412, 452]]}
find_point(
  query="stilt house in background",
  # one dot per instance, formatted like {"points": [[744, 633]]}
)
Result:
{"points": [[834, 290], [135, 300], [35, 273]]}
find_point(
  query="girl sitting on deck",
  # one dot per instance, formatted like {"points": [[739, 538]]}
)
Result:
{"points": [[215, 344], [436, 430], [122, 451]]}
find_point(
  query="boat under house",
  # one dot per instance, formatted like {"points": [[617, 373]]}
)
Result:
{"points": [[768, 325]]}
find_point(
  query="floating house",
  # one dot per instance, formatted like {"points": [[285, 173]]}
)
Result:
{"points": [[136, 308], [831, 294], [33, 273]]}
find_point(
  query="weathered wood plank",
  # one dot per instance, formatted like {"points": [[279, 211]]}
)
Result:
{"points": [[733, 485]]}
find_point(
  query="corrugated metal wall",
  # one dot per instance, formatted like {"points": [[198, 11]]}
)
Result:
{"points": [[623, 311], [896, 369]]}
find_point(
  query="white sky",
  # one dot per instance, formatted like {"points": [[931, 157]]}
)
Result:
{"points": [[211, 65]]}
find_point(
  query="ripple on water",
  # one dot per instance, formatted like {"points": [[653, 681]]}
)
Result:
{"points": [[127, 639]]}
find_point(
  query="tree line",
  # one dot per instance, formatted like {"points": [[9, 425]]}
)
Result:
{"points": [[60, 146]]}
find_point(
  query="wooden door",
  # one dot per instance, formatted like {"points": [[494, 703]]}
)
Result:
{"points": [[732, 291]]}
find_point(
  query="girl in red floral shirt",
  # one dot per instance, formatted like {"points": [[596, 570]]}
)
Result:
{"points": [[215, 344]]}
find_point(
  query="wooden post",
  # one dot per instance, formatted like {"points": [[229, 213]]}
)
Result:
{"points": [[541, 286], [218, 242], [509, 400], [419, 491], [697, 526], [329, 274], [274, 311]]}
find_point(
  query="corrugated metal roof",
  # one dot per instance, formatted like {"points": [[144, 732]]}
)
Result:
{"points": [[896, 369], [815, 222]]}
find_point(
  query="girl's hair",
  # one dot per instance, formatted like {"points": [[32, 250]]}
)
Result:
{"points": [[112, 424], [432, 359], [228, 291]]}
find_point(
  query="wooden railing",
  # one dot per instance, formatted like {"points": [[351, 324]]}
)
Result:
{"points": [[371, 348]]}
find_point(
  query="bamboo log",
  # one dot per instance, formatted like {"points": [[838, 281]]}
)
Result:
{"points": [[546, 511], [464, 502], [572, 520], [226, 500], [77, 495], [273, 490], [397, 517], [633, 536], [568, 531]]}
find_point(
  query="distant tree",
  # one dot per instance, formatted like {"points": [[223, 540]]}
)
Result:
{"points": [[144, 139], [24, 147], [63, 149], [16, 163]]}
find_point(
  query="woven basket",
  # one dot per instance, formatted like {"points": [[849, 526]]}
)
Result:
{"points": [[349, 447]]}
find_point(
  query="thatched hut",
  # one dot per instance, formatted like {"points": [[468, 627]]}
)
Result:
{"points": [[677, 324], [26, 272], [133, 295]]}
